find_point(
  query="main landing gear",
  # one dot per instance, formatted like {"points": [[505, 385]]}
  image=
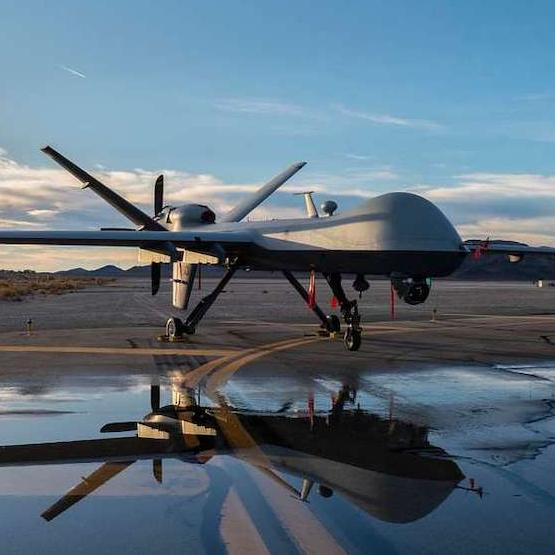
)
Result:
{"points": [[349, 309], [175, 327]]}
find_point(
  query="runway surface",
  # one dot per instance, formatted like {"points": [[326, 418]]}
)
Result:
{"points": [[436, 437]]}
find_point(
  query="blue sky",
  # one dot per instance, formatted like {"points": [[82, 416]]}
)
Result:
{"points": [[455, 100]]}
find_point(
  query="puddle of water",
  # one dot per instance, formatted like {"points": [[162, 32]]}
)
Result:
{"points": [[314, 467], [471, 387]]}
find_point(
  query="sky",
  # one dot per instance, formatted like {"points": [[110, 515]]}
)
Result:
{"points": [[452, 100]]}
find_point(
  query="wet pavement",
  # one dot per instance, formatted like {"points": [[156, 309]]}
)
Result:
{"points": [[435, 461], [270, 439]]}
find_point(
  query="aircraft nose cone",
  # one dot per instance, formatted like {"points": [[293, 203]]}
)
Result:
{"points": [[404, 221]]}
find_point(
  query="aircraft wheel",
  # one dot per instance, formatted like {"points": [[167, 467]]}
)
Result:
{"points": [[334, 324], [352, 339], [174, 328]]}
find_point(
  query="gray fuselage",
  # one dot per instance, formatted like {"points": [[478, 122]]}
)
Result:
{"points": [[393, 234]]}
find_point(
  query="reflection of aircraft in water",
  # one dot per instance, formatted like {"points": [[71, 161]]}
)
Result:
{"points": [[384, 466]]}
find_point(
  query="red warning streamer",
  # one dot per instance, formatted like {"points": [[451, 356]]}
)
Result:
{"points": [[392, 302], [482, 247], [312, 290]]}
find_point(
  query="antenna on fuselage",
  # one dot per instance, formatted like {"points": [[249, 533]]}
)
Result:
{"points": [[329, 207], [309, 204]]}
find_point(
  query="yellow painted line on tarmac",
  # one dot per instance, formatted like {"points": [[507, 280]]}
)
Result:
{"points": [[304, 527], [223, 373], [128, 351], [194, 377], [191, 379], [466, 316]]}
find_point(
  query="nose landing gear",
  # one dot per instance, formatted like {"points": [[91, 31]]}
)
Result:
{"points": [[175, 327], [352, 338], [353, 334]]}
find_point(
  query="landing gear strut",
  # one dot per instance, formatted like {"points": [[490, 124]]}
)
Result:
{"points": [[353, 334], [175, 327], [330, 323]]}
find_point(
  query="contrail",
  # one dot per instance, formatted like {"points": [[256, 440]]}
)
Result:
{"points": [[73, 71]]}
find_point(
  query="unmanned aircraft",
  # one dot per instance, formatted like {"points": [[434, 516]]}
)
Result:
{"points": [[398, 235]]}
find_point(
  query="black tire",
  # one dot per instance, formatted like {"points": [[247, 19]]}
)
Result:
{"points": [[352, 339], [417, 293], [174, 328], [325, 491], [334, 324]]}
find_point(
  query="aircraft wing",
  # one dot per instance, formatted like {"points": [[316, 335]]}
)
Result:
{"points": [[122, 205], [508, 248], [87, 485], [251, 202], [194, 240]]}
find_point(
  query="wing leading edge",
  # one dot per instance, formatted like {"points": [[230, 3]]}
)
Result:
{"points": [[130, 211], [145, 239]]}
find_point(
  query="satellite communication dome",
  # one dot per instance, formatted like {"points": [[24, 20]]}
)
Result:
{"points": [[329, 207]]}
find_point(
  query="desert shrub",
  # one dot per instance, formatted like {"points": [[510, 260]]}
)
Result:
{"points": [[16, 285]]}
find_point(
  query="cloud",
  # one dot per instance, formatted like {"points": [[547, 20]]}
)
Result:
{"points": [[386, 119], [259, 106], [42, 213], [361, 157], [535, 231], [73, 71], [494, 186], [7, 223], [314, 118], [517, 207]]}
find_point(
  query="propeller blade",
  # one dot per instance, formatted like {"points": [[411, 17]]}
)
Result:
{"points": [[159, 195], [155, 275], [157, 470], [155, 397]]}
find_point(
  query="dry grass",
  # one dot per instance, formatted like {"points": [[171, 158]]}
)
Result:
{"points": [[14, 286]]}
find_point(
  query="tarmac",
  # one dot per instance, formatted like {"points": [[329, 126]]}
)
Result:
{"points": [[115, 329], [474, 366]]}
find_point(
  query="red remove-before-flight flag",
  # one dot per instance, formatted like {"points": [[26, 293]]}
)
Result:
{"points": [[312, 290]]}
